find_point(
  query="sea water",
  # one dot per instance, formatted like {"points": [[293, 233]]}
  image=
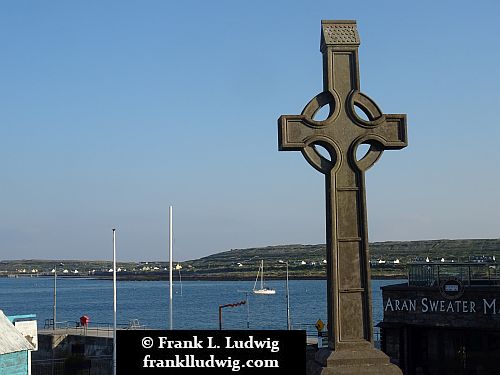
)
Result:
{"points": [[195, 303]]}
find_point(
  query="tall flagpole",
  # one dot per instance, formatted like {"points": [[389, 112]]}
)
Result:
{"points": [[114, 302], [171, 269]]}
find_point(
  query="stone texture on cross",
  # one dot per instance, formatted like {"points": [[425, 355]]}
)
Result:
{"points": [[350, 327]]}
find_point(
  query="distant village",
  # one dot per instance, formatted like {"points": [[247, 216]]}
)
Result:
{"points": [[297, 266]]}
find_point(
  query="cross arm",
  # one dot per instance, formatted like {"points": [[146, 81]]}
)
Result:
{"points": [[298, 133], [390, 132], [293, 132]]}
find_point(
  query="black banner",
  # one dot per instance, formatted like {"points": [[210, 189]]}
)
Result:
{"points": [[211, 352]]}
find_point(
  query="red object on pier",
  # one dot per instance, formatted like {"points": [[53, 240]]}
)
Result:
{"points": [[84, 320]]}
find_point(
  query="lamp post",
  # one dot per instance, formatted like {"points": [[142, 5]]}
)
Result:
{"points": [[228, 305], [55, 297], [288, 319]]}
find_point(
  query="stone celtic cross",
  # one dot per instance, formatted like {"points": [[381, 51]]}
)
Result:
{"points": [[348, 274]]}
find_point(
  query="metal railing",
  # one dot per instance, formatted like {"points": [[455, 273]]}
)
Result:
{"points": [[310, 328], [92, 329], [312, 333], [470, 274]]}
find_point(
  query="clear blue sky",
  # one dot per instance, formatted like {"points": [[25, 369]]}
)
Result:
{"points": [[110, 111]]}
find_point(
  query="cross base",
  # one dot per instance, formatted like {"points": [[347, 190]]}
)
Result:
{"points": [[369, 361]]}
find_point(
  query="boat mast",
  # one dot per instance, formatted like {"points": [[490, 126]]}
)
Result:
{"points": [[262, 275], [257, 278]]}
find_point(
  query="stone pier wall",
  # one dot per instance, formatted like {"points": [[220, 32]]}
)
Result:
{"points": [[69, 354]]}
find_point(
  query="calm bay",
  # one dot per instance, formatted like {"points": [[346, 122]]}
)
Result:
{"points": [[195, 302]]}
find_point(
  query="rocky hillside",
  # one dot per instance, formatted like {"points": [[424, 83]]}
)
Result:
{"points": [[388, 259]]}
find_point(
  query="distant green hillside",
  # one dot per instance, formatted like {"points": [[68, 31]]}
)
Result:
{"points": [[408, 250], [389, 259], [244, 262]]}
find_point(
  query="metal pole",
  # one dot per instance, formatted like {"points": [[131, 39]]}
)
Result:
{"points": [[54, 316], [220, 317], [114, 302], [228, 305], [248, 310], [180, 280], [171, 269], [55, 298], [288, 321]]}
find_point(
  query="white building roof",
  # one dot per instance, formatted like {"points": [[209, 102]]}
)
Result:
{"points": [[11, 340]]}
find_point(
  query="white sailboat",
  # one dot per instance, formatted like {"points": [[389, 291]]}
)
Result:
{"points": [[263, 289]]}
